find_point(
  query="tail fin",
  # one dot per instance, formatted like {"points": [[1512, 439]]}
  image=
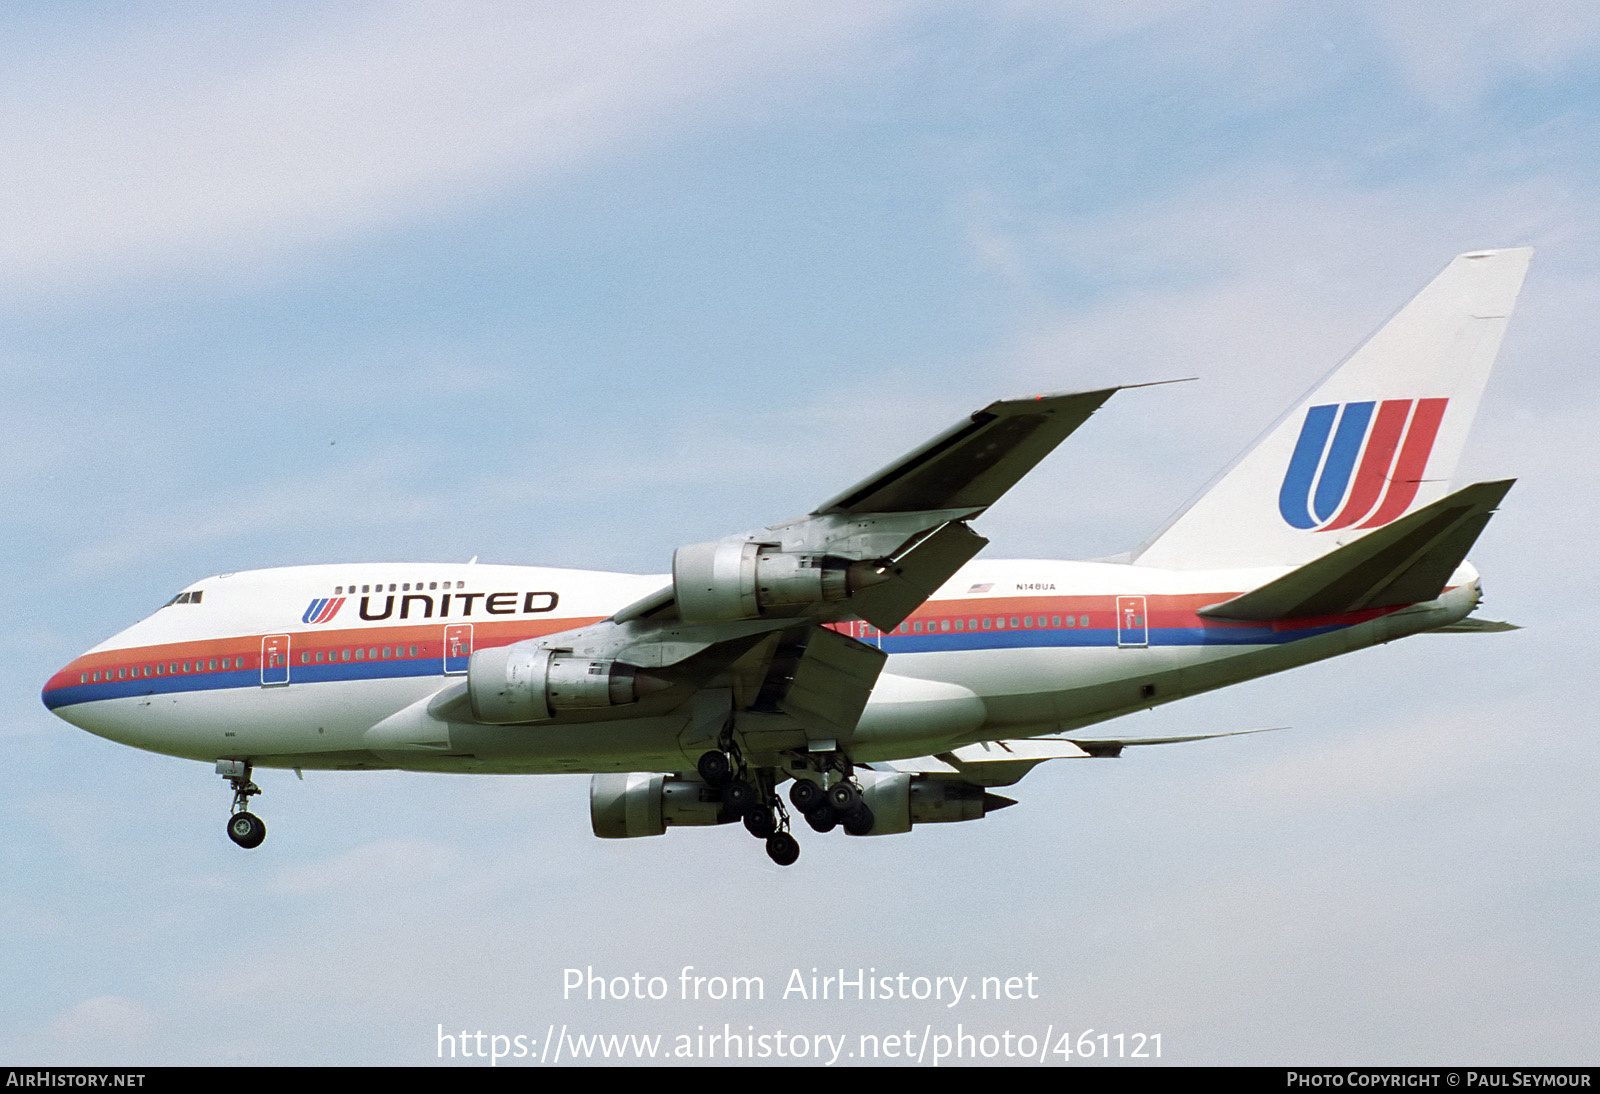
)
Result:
{"points": [[1378, 438]]}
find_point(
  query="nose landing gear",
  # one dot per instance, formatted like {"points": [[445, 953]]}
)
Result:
{"points": [[244, 827]]}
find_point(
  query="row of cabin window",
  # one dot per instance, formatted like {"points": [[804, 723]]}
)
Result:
{"points": [[171, 668], [175, 668], [364, 654], [405, 587], [996, 623]]}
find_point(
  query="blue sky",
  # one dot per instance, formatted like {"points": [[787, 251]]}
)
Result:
{"points": [[568, 285]]}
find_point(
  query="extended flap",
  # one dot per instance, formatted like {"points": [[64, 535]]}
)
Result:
{"points": [[830, 683]]}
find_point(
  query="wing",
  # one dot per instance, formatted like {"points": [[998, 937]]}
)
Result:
{"points": [[1002, 763], [744, 632], [973, 462]]}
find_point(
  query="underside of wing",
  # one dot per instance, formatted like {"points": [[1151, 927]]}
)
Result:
{"points": [[1474, 625], [1002, 763]]}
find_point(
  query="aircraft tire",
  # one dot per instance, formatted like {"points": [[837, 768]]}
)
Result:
{"points": [[844, 797], [759, 822], [807, 795], [822, 818], [738, 796], [715, 768], [783, 848], [246, 829], [859, 821]]}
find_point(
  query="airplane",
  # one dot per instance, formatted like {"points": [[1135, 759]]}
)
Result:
{"points": [[858, 653]]}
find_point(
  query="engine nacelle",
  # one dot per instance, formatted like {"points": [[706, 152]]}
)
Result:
{"points": [[528, 683], [898, 801], [642, 804], [730, 579]]}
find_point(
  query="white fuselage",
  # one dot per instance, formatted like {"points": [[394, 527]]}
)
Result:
{"points": [[332, 666]]}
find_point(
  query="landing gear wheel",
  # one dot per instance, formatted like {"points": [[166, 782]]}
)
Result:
{"points": [[844, 797], [246, 829], [822, 818], [715, 768], [783, 848], [739, 796], [760, 823], [807, 795], [859, 821]]}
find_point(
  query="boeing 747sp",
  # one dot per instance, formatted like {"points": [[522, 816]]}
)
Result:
{"points": [[857, 653]]}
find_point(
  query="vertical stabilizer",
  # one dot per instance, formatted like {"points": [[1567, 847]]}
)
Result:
{"points": [[1377, 439]]}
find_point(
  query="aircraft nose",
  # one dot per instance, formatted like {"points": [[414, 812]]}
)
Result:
{"points": [[72, 685], [58, 690], [78, 694]]}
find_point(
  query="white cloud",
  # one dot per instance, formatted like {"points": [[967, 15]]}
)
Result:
{"points": [[199, 143], [1452, 53]]}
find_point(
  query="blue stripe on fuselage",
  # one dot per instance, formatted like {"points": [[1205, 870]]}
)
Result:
{"points": [[239, 678]]}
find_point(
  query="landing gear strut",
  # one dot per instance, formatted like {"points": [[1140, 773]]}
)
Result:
{"points": [[244, 827], [750, 796]]}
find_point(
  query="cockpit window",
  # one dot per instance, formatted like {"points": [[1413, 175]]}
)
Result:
{"points": [[185, 598]]}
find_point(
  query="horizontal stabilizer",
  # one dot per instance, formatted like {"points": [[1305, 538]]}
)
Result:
{"points": [[1407, 562]]}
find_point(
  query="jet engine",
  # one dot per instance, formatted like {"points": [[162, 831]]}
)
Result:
{"points": [[731, 579], [898, 801], [524, 682], [642, 804]]}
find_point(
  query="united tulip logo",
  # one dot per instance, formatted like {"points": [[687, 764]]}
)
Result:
{"points": [[1359, 464], [323, 610]]}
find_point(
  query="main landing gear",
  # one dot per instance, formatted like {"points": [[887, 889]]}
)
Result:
{"points": [[750, 795], [840, 803], [244, 827]]}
